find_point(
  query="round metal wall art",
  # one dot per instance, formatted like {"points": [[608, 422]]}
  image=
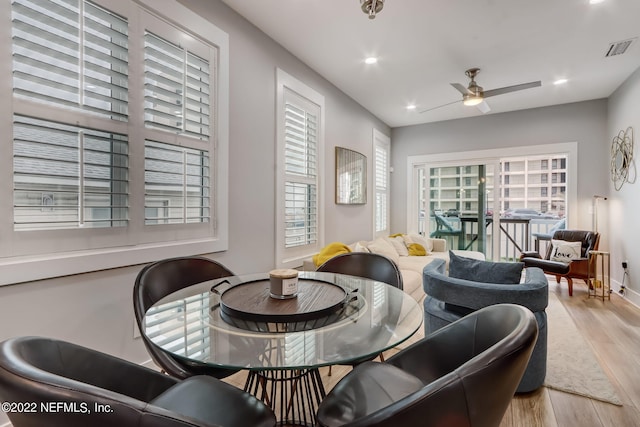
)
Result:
{"points": [[621, 157]]}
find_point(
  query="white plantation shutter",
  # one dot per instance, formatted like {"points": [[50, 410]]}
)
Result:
{"points": [[98, 89], [381, 178], [176, 184], [68, 177], [300, 160], [72, 54], [177, 88]]}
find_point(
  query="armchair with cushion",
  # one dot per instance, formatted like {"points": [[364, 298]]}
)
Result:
{"points": [[449, 298], [569, 268], [83, 387], [465, 374]]}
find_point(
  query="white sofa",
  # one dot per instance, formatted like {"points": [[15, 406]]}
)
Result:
{"points": [[410, 266]]}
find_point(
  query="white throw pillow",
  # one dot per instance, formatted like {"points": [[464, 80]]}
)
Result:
{"points": [[361, 246], [564, 251], [427, 244], [398, 245], [384, 247]]}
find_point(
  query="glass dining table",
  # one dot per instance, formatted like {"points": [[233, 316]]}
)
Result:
{"points": [[233, 323]]}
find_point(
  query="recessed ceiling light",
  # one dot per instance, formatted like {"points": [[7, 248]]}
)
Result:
{"points": [[371, 60], [595, 1], [411, 107], [560, 82]]}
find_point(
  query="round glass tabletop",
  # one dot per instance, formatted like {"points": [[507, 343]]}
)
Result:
{"points": [[192, 325]]}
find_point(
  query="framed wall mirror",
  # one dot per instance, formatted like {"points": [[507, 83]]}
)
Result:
{"points": [[351, 177]]}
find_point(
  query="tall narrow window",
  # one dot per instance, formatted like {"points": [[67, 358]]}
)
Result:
{"points": [[300, 142], [381, 147], [301, 174]]}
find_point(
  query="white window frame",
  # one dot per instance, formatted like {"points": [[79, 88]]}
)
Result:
{"points": [[128, 246], [293, 257], [381, 141]]}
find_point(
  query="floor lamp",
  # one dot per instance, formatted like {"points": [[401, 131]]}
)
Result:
{"points": [[594, 202]]}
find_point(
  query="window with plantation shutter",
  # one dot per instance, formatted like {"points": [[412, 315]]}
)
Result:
{"points": [[68, 177], [177, 88], [176, 184], [381, 148], [300, 158], [72, 54], [118, 113], [300, 136]]}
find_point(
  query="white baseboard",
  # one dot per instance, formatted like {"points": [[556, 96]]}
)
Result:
{"points": [[629, 294]]}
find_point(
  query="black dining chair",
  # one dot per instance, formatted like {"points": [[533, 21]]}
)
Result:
{"points": [[161, 278], [55, 383], [464, 374], [368, 265], [364, 264]]}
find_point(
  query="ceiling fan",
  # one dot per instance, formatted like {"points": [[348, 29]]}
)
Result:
{"points": [[474, 95]]}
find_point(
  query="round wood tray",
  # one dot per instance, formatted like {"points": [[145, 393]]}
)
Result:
{"points": [[251, 301]]}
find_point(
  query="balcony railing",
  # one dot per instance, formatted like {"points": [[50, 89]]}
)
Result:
{"points": [[516, 235]]}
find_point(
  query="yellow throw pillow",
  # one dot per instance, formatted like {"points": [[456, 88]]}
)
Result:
{"points": [[329, 251], [396, 235], [416, 249]]}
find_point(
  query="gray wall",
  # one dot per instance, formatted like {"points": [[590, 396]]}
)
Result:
{"points": [[584, 123], [624, 205], [254, 59], [95, 309]]}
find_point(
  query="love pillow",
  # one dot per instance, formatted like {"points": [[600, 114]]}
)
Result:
{"points": [[564, 251]]}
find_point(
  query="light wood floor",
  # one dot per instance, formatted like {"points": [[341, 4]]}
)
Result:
{"points": [[612, 328]]}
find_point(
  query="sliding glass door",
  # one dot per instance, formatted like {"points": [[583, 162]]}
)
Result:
{"points": [[456, 204], [500, 206]]}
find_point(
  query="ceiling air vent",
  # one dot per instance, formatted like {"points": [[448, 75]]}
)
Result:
{"points": [[618, 48]]}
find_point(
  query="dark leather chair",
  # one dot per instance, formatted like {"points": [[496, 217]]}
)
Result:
{"points": [[73, 386], [363, 264], [465, 374], [368, 265], [576, 269], [162, 278]]}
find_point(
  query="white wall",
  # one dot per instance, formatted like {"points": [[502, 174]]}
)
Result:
{"points": [[624, 205], [584, 123], [96, 309]]}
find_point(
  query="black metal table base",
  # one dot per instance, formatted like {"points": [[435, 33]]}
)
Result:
{"points": [[293, 394]]}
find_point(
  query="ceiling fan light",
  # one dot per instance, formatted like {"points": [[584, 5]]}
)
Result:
{"points": [[371, 7], [472, 100]]}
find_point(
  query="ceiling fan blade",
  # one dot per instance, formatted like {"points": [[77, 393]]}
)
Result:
{"points": [[439, 106], [507, 89], [483, 107], [462, 89]]}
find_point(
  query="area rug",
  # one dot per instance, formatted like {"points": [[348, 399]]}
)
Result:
{"points": [[571, 364]]}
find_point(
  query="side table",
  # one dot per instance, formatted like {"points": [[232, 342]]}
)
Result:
{"points": [[605, 271]]}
